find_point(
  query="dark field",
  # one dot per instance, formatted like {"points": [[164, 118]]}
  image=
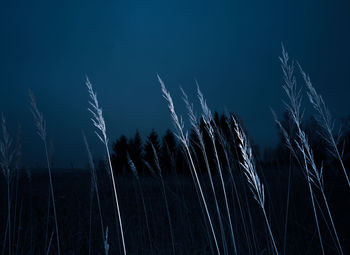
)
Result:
{"points": [[32, 229]]}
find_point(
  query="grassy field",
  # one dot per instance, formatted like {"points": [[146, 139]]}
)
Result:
{"points": [[225, 200], [33, 231]]}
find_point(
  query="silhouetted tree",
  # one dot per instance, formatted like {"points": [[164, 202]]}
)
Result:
{"points": [[282, 152], [181, 160], [216, 118], [318, 145], [119, 156], [135, 151], [197, 152], [224, 125], [152, 139], [208, 146], [220, 139], [228, 128], [168, 152]]}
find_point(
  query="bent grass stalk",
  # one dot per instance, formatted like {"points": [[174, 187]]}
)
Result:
{"points": [[207, 117], [135, 173], [105, 242], [19, 227], [226, 151], [41, 131], [179, 126], [47, 217], [293, 108], [156, 161], [92, 188], [94, 180], [7, 157], [316, 177], [235, 191], [99, 122], [90, 216], [288, 144], [207, 229], [255, 185], [195, 126], [324, 120], [49, 246], [287, 204]]}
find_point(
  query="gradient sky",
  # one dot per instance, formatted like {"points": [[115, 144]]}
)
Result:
{"points": [[230, 47]]}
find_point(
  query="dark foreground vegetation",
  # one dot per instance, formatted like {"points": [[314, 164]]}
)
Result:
{"points": [[33, 228]]}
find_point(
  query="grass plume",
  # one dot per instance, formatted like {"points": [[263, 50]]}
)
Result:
{"points": [[183, 138], [294, 110], [255, 185], [99, 123], [325, 121]]}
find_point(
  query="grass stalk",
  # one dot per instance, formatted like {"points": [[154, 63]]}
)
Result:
{"points": [[7, 157], [287, 206], [99, 123], [179, 126], [293, 107], [156, 161], [195, 125], [135, 173], [255, 185], [208, 121], [94, 183], [41, 130], [325, 121]]}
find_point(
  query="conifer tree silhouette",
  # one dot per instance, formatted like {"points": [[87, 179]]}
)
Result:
{"points": [[168, 152], [152, 139]]}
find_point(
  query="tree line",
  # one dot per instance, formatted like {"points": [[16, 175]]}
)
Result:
{"points": [[169, 151], [171, 157]]}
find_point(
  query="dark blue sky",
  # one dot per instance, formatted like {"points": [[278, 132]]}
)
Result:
{"points": [[231, 47]]}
